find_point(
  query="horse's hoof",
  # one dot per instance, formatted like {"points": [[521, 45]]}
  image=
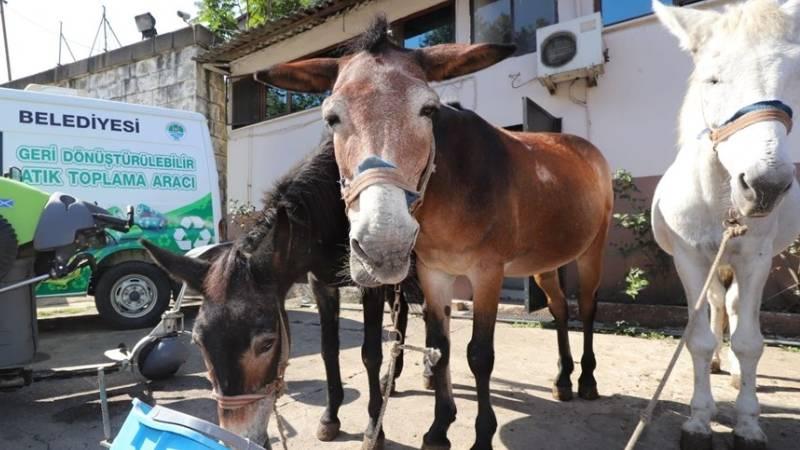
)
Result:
{"points": [[328, 431], [562, 393], [435, 444], [481, 447], [740, 443], [715, 367], [378, 444], [695, 441], [736, 381], [427, 383], [588, 392]]}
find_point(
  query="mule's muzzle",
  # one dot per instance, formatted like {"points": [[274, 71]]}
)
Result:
{"points": [[381, 268], [757, 196]]}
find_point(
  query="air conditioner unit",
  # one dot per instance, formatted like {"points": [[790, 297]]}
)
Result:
{"points": [[570, 50]]}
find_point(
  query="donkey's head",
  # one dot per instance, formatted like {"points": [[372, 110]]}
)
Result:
{"points": [[380, 112], [746, 61], [241, 332]]}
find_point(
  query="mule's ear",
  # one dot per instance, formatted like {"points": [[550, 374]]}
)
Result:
{"points": [[312, 75], [445, 61], [191, 270], [691, 26]]}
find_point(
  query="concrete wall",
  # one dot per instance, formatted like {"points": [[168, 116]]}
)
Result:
{"points": [[631, 115], [159, 72]]}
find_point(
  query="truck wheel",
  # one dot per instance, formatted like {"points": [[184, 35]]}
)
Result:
{"points": [[8, 247], [133, 294]]}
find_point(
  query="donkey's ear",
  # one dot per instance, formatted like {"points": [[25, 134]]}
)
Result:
{"points": [[691, 26], [312, 75], [191, 270], [445, 61]]}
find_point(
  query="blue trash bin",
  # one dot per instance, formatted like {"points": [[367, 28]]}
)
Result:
{"points": [[159, 428]]}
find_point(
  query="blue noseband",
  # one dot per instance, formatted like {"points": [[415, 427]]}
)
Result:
{"points": [[374, 162], [760, 106]]}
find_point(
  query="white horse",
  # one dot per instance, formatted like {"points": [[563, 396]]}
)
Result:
{"points": [[747, 59]]}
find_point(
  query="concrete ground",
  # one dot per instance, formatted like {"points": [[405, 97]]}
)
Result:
{"points": [[64, 414]]}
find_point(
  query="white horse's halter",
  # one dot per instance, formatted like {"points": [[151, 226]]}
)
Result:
{"points": [[762, 111]]}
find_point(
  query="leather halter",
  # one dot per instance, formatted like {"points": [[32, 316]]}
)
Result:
{"points": [[374, 170], [749, 115], [276, 388]]}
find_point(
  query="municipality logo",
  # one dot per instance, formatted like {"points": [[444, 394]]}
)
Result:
{"points": [[6, 203], [176, 131]]}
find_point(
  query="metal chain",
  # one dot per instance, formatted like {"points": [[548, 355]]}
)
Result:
{"points": [[732, 229]]}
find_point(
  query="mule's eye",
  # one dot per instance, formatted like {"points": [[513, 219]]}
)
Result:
{"points": [[712, 80], [264, 345], [428, 110], [332, 120]]}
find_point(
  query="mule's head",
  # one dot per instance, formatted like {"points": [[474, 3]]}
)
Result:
{"points": [[380, 112], [241, 332], [748, 54]]}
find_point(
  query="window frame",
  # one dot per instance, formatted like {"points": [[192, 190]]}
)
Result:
{"points": [[398, 26], [511, 4], [598, 7], [261, 89]]}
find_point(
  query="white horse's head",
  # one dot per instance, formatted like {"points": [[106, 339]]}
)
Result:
{"points": [[748, 54]]}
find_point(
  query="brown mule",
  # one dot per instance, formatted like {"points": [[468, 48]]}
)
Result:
{"points": [[497, 203]]}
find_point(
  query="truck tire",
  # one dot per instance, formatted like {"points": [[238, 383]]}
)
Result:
{"points": [[132, 294], [8, 247]]}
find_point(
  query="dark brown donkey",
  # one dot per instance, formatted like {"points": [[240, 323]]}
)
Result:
{"points": [[498, 203], [241, 328]]}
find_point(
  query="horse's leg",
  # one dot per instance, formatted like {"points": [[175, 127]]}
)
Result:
{"points": [[327, 299], [402, 324], [696, 432], [480, 351], [562, 386], [590, 268], [372, 353], [716, 300], [748, 344], [438, 289], [732, 298]]}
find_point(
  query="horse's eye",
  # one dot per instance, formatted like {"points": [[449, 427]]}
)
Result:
{"points": [[713, 80], [332, 120], [264, 345], [428, 110]]}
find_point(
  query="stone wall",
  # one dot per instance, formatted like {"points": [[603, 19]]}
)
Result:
{"points": [[159, 72]]}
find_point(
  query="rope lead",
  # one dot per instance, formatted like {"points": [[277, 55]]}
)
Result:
{"points": [[733, 229]]}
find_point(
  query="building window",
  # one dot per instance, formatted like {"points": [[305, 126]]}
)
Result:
{"points": [[431, 28], [254, 102], [511, 21], [615, 11]]}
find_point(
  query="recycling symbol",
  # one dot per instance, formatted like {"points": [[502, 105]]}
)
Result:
{"points": [[181, 234]]}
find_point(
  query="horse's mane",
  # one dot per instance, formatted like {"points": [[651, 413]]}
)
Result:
{"points": [[756, 19], [308, 194], [374, 39]]}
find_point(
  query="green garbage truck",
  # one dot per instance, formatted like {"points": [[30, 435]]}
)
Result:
{"points": [[158, 160]]}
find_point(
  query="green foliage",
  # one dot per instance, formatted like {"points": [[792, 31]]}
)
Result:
{"points": [[243, 215], [790, 261], [551, 325], [624, 328], [636, 281], [220, 16], [641, 242]]}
